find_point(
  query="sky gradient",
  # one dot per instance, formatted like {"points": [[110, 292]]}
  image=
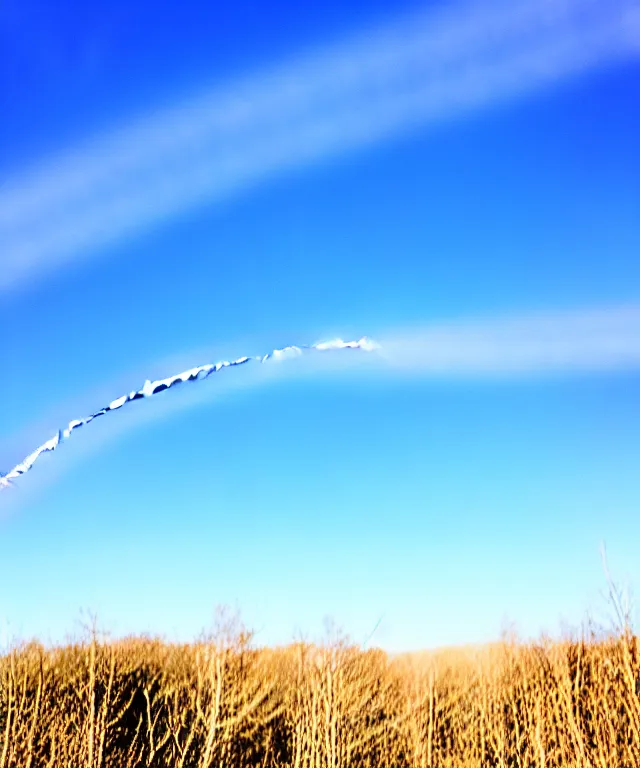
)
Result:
{"points": [[503, 188]]}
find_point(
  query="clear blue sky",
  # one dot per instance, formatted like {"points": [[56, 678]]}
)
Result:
{"points": [[446, 505]]}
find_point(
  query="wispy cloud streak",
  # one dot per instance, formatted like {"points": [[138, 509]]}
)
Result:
{"points": [[598, 340], [151, 388], [431, 66]]}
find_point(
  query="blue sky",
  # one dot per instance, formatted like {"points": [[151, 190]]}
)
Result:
{"points": [[445, 503]]}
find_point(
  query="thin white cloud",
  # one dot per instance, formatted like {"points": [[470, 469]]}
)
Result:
{"points": [[598, 340], [434, 65], [590, 341]]}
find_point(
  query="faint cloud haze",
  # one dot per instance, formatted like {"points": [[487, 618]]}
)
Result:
{"points": [[432, 65], [597, 340]]}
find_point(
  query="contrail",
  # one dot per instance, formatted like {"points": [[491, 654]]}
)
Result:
{"points": [[600, 340], [151, 388], [427, 67]]}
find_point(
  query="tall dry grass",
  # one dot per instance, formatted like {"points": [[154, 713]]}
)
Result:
{"points": [[222, 702]]}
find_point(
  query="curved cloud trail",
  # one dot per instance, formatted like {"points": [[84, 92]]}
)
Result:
{"points": [[597, 340], [151, 388], [434, 65]]}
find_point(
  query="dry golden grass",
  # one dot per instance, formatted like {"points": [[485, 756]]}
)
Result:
{"points": [[220, 702]]}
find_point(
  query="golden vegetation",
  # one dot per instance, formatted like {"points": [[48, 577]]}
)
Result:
{"points": [[221, 702]]}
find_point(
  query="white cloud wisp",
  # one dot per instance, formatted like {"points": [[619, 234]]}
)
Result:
{"points": [[587, 341], [590, 341], [434, 65]]}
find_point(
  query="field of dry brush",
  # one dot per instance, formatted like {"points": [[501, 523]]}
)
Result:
{"points": [[222, 702]]}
